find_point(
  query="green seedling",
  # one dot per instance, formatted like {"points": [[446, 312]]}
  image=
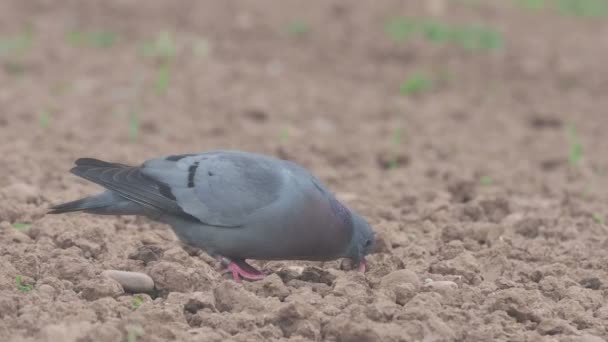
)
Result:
{"points": [[401, 29], [14, 68], [162, 78], [44, 118], [98, 39], [298, 28], [102, 39], [16, 45], [393, 163], [597, 217], [415, 84], [576, 149], [397, 136], [163, 47], [21, 286], [582, 8], [486, 180], [133, 126], [472, 37], [284, 136], [534, 5], [396, 139], [134, 332], [480, 38], [21, 226], [74, 38], [136, 302], [437, 32]]}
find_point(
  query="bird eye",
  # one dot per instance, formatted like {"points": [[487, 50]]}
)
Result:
{"points": [[368, 243]]}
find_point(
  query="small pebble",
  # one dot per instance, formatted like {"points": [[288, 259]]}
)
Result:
{"points": [[399, 277], [441, 286], [133, 282], [46, 289]]}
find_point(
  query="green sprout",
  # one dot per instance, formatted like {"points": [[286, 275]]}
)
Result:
{"points": [[134, 332], [133, 126], [582, 8], [16, 45], [44, 118], [74, 38], [21, 286], [400, 29], [532, 4], [136, 302], [486, 180], [284, 134], [472, 37], [163, 47], [298, 28], [437, 32], [396, 139], [576, 149], [162, 78], [476, 37], [98, 39], [597, 217], [102, 39], [393, 163], [417, 83], [21, 226], [397, 136]]}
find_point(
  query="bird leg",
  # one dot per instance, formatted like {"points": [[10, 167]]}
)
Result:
{"points": [[240, 267], [362, 265]]}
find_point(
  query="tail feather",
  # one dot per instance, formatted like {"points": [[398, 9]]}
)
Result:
{"points": [[77, 205], [105, 203], [129, 191], [92, 162]]}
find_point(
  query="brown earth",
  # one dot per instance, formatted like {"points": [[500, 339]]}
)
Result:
{"points": [[487, 231]]}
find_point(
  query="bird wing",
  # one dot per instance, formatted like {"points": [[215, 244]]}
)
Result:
{"points": [[220, 188], [214, 188]]}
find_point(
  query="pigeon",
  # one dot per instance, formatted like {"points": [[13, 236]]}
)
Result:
{"points": [[233, 205]]}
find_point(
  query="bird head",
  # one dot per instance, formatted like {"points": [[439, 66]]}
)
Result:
{"points": [[362, 241]]}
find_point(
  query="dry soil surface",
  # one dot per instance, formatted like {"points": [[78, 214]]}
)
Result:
{"points": [[490, 215]]}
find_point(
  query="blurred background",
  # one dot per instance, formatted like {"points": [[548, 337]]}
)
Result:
{"points": [[433, 89], [409, 110]]}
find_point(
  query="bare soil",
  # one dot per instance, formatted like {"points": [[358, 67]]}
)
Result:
{"points": [[487, 230]]}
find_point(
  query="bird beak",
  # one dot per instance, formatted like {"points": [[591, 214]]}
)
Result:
{"points": [[362, 265]]}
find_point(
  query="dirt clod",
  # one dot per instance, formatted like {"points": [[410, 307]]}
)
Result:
{"points": [[99, 288]]}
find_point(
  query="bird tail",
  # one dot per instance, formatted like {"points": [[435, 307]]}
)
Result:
{"points": [[105, 203], [90, 203]]}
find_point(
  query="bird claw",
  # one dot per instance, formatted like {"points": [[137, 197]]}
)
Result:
{"points": [[240, 268], [362, 266]]}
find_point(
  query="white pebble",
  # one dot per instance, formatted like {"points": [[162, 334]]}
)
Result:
{"points": [[133, 282]]}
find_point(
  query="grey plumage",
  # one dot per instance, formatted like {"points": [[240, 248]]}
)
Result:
{"points": [[232, 204]]}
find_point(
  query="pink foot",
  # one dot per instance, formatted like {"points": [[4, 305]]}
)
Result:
{"points": [[242, 269], [238, 271], [362, 265]]}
